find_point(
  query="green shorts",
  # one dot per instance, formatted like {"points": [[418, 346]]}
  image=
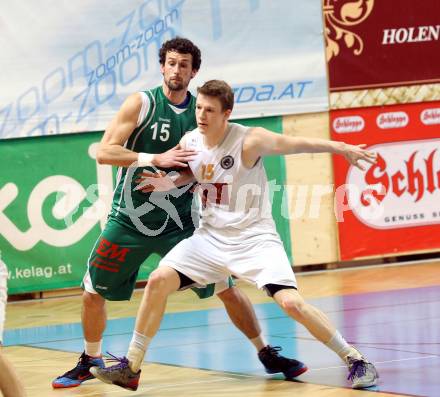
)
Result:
{"points": [[119, 252]]}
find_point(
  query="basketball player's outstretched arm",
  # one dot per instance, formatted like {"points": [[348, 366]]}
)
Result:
{"points": [[112, 151], [261, 142]]}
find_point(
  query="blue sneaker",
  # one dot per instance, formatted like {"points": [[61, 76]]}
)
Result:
{"points": [[274, 362], [80, 373]]}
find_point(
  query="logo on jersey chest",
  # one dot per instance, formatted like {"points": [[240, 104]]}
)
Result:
{"points": [[227, 162]]}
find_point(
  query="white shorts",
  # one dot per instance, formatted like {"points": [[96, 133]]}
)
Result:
{"points": [[3, 296], [207, 259]]}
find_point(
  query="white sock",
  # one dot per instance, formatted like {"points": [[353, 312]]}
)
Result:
{"points": [[93, 349], [340, 346], [258, 342], [136, 351]]}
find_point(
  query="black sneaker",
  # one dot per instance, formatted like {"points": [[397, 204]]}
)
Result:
{"points": [[273, 362], [80, 373]]}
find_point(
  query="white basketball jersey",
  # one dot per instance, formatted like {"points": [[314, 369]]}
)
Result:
{"points": [[234, 199]]}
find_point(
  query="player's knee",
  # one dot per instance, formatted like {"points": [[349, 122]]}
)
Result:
{"points": [[293, 307], [93, 301], [160, 281]]}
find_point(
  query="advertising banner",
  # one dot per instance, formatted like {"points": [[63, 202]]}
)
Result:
{"points": [[67, 67], [394, 205], [54, 201], [378, 43]]}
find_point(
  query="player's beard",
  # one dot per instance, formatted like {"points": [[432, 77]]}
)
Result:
{"points": [[174, 85]]}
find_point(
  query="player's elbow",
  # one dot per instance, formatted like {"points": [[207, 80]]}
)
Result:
{"points": [[278, 146], [101, 156]]}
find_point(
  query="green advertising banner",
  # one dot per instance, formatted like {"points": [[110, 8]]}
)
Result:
{"points": [[54, 200], [50, 207]]}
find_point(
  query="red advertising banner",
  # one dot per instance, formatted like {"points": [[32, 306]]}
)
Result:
{"points": [[394, 205], [381, 43]]}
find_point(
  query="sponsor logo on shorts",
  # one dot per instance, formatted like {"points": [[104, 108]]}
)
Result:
{"points": [[100, 287], [107, 249]]}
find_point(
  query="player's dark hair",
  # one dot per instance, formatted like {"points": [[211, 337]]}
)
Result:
{"points": [[182, 46], [218, 89]]}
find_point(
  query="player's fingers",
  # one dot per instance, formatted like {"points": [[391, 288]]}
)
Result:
{"points": [[185, 158], [185, 152], [141, 187], [179, 164], [370, 160], [147, 189], [144, 180], [359, 165]]}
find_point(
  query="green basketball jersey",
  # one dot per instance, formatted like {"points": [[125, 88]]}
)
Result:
{"points": [[161, 129]]}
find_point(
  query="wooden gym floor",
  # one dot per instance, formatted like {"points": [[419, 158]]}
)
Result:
{"points": [[392, 313]]}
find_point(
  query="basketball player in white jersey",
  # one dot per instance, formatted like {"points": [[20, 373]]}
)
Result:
{"points": [[237, 234], [10, 385]]}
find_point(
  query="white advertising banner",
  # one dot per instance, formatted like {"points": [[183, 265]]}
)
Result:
{"points": [[67, 66], [401, 188]]}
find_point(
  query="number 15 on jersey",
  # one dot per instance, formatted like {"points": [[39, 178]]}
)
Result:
{"points": [[207, 172], [164, 132]]}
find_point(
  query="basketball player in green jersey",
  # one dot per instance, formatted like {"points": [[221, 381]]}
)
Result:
{"points": [[145, 133]]}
